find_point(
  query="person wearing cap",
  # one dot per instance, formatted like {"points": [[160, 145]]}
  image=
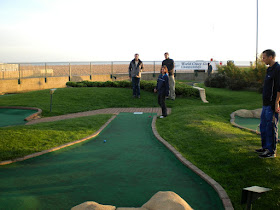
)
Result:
{"points": [[135, 68], [169, 63]]}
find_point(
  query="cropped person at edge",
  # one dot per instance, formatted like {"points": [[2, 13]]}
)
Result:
{"points": [[270, 109]]}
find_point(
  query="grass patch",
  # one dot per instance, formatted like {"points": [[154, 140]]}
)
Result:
{"points": [[72, 100], [19, 141]]}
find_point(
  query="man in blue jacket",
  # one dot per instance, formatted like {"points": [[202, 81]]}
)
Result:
{"points": [[163, 89], [271, 97]]}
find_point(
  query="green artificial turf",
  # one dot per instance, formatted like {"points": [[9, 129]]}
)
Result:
{"points": [[125, 171]]}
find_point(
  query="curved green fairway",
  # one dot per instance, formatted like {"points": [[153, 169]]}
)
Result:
{"points": [[125, 171], [10, 117]]}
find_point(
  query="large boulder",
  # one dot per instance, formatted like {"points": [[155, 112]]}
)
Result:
{"points": [[257, 113], [244, 113], [160, 201], [131, 208], [90, 205], [166, 201]]}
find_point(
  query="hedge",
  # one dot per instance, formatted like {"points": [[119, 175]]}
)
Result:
{"points": [[180, 90]]}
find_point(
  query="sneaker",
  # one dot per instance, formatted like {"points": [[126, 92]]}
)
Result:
{"points": [[138, 96], [267, 154], [161, 116], [260, 151]]}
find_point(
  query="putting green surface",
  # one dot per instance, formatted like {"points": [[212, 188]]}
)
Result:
{"points": [[10, 117], [125, 171], [251, 123]]}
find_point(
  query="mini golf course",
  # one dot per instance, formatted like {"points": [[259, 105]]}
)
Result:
{"points": [[126, 170], [9, 117]]}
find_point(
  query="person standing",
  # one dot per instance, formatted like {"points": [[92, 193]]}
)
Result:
{"points": [[209, 69], [135, 68], [270, 109], [163, 89], [169, 63]]}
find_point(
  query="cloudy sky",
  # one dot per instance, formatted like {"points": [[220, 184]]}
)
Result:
{"points": [[110, 30]]}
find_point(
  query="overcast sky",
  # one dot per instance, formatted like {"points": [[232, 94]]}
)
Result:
{"points": [[114, 30]]}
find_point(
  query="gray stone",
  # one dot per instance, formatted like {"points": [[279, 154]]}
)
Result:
{"points": [[244, 113], [257, 113]]}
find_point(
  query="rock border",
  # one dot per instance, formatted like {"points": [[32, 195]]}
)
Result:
{"points": [[201, 93]]}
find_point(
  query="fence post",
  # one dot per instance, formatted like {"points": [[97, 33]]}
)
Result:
{"points": [[112, 63], [90, 77], [69, 71], [45, 72], [19, 73], [154, 74]]}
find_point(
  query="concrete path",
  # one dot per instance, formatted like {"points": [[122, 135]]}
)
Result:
{"points": [[99, 111]]}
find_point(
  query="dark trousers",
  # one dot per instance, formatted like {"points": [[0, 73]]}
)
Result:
{"points": [[161, 102], [136, 86], [269, 128]]}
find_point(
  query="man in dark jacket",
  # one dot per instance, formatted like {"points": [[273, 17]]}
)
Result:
{"points": [[269, 116], [170, 66], [135, 68]]}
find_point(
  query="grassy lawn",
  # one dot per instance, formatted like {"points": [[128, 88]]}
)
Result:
{"points": [[72, 100], [18, 141], [201, 132]]}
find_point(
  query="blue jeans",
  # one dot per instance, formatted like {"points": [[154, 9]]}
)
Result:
{"points": [[269, 128], [136, 86]]}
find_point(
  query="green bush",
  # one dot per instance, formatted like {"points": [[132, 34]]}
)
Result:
{"points": [[181, 89], [148, 85], [186, 90], [216, 80], [236, 79], [71, 84], [122, 84], [256, 75], [81, 84]]}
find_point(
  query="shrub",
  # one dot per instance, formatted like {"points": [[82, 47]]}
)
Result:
{"points": [[80, 84], [217, 80], [71, 84], [186, 90], [181, 89], [148, 85], [123, 84], [256, 75]]}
